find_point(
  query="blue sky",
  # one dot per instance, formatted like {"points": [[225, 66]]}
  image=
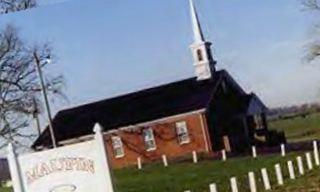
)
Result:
{"points": [[107, 48]]}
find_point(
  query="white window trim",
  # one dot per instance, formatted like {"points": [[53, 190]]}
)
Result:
{"points": [[258, 120], [120, 146], [187, 132], [152, 139], [152, 149]]}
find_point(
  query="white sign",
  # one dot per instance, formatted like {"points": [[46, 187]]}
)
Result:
{"points": [[75, 168]]}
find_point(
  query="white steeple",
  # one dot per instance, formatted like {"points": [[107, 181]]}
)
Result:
{"points": [[198, 35], [201, 51]]}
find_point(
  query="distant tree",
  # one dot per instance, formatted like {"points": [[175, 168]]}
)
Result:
{"points": [[19, 85], [312, 4], [7, 6], [314, 46]]}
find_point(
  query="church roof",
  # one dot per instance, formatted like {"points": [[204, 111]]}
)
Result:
{"points": [[252, 104], [133, 108]]}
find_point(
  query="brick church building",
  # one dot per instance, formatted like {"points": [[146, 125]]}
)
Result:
{"points": [[205, 113]]}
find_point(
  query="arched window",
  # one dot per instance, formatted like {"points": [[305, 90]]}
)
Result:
{"points": [[199, 54]]}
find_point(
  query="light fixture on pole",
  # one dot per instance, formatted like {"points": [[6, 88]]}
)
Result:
{"points": [[45, 96]]}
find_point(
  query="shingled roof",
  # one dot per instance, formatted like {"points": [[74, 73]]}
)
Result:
{"points": [[141, 106]]}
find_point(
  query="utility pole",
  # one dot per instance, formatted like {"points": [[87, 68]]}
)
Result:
{"points": [[45, 98], [35, 114]]}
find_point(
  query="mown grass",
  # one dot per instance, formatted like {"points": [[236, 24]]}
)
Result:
{"points": [[179, 177], [307, 183], [197, 177], [3, 189], [299, 128]]}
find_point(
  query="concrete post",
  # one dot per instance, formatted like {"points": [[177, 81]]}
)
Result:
{"points": [[309, 161], [252, 182], [165, 161], [265, 179], [234, 185], [291, 170], [224, 155], [316, 153], [139, 163], [14, 169], [300, 165], [194, 157], [213, 187], [279, 174], [254, 152], [283, 150]]}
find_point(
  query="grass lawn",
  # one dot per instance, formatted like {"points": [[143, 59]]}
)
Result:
{"points": [[307, 183], [179, 177], [299, 128], [5, 190]]}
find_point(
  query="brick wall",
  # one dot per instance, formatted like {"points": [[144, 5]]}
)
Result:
{"points": [[165, 137]]}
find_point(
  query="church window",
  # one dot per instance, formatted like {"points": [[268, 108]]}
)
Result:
{"points": [[149, 140], [182, 132], [117, 146], [199, 54], [258, 121]]}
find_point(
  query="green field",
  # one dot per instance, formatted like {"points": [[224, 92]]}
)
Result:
{"points": [[5, 190], [179, 177], [196, 177], [307, 183], [299, 128]]}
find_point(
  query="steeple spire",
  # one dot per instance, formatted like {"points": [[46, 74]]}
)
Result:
{"points": [[201, 49], [197, 31]]}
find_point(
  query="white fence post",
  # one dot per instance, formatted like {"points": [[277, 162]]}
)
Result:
{"points": [[234, 185], [213, 187], [283, 150], [265, 179], [252, 182], [316, 153], [104, 156], [224, 155], [309, 161], [139, 163], [165, 161], [300, 165], [291, 170], [279, 174], [194, 157], [254, 152], [14, 169]]}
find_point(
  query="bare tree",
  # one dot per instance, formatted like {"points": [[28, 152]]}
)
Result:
{"points": [[19, 85], [314, 46], [7, 6], [312, 4], [313, 51]]}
